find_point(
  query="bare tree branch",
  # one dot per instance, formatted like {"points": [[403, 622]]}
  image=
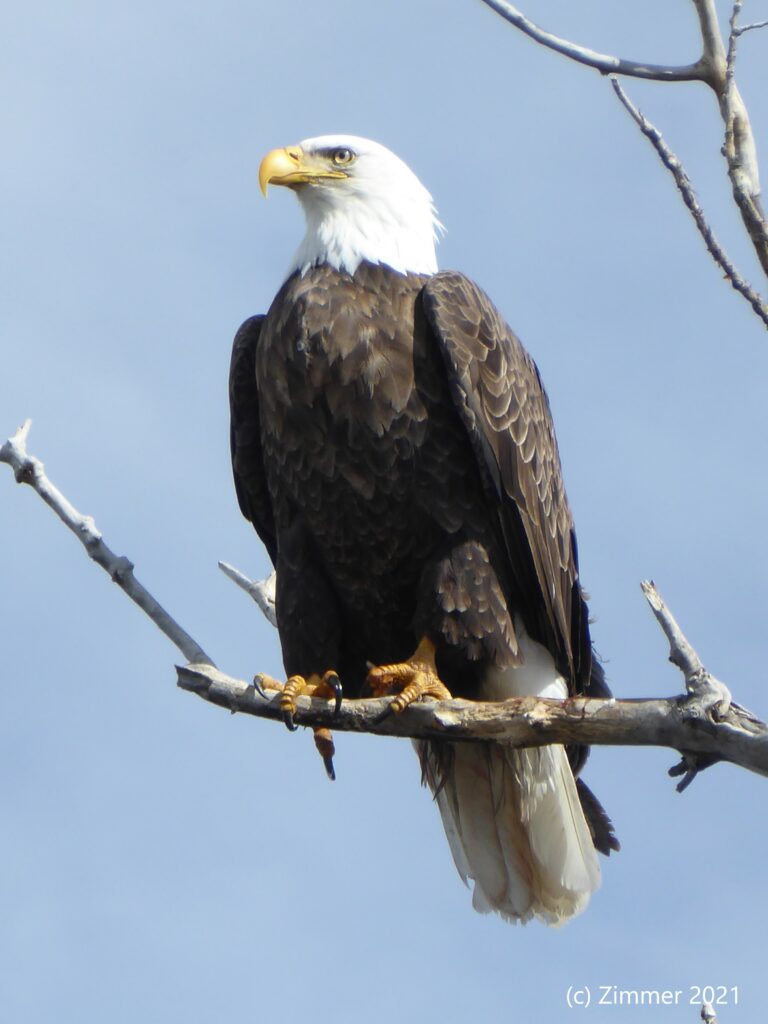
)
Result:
{"points": [[740, 151], [713, 696], [682, 723], [698, 682], [741, 29], [713, 57], [29, 470], [619, 722], [708, 1014], [602, 62], [683, 182], [705, 726], [715, 67], [262, 591]]}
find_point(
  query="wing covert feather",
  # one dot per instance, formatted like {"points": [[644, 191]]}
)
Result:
{"points": [[498, 393]]}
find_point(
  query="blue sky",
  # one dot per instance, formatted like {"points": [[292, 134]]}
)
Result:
{"points": [[164, 860]]}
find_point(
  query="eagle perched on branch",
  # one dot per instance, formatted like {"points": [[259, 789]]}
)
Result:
{"points": [[393, 447]]}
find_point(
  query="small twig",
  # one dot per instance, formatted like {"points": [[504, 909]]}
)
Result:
{"points": [[741, 29], [683, 182], [605, 63], [29, 470], [262, 591], [709, 698], [681, 653]]}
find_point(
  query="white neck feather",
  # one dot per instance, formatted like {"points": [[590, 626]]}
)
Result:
{"points": [[380, 214], [365, 230]]}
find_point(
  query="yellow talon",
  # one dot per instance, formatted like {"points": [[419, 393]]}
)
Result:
{"points": [[417, 677]]}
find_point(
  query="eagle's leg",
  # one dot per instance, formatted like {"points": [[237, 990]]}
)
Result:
{"points": [[414, 678], [328, 685]]}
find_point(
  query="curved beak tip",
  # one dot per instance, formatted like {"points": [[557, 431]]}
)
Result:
{"points": [[280, 166], [264, 177]]}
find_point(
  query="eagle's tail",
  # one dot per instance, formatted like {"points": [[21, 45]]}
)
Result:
{"points": [[516, 827]]}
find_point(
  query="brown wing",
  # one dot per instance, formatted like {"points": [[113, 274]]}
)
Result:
{"points": [[498, 393], [245, 435]]}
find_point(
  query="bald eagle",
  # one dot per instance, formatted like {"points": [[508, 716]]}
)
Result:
{"points": [[393, 446]]}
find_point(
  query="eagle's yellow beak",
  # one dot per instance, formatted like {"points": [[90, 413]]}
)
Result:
{"points": [[291, 166]]}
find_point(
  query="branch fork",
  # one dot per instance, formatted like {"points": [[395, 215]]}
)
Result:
{"points": [[716, 69]]}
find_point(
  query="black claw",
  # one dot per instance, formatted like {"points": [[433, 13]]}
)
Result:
{"points": [[288, 719], [258, 687], [335, 683], [329, 769]]}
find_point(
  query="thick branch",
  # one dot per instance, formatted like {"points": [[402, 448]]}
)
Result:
{"points": [[603, 62], [738, 735], [29, 470], [740, 150], [713, 57], [680, 723], [704, 726]]}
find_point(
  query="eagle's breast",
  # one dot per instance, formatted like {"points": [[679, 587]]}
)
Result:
{"points": [[343, 423]]}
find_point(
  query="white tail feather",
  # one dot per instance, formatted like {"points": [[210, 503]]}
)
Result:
{"points": [[513, 818], [516, 828]]}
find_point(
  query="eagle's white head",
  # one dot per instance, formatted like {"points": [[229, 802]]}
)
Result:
{"points": [[361, 202]]}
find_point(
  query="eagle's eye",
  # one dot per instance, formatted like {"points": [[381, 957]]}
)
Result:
{"points": [[342, 156]]}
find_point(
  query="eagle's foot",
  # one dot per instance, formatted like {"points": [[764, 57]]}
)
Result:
{"points": [[414, 678], [328, 685]]}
